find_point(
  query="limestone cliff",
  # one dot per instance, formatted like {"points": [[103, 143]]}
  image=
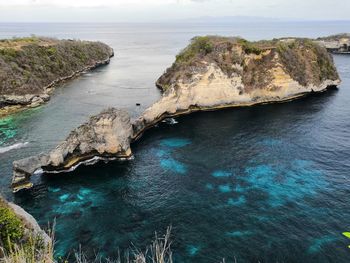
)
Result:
{"points": [[211, 73], [217, 72], [30, 67]]}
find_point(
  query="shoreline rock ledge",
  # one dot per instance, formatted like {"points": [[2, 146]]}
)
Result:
{"points": [[211, 73]]}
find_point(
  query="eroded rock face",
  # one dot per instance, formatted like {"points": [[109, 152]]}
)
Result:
{"points": [[31, 225], [215, 72], [106, 135], [211, 73]]}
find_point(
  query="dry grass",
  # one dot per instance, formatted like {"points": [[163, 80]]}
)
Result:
{"points": [[158, 252], [18, 43], [31, 252]]}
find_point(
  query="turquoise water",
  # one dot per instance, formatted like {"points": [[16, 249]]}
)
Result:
{"points": [[260, 184]]}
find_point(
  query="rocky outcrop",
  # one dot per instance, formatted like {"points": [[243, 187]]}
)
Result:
{"points": [[215, 72], [106, 135], [31, 67], [338, 44], [30, 224], [211, 73]]}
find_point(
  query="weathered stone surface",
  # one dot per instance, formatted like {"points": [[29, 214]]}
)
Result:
{"points": [[30, 223], [25, 168], [107, 134]]}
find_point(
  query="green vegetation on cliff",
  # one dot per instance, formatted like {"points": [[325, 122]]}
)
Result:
{"points": [[213, 49], [27, 65], [306, 61], [199, 46], [11, 227], [303, 59]]}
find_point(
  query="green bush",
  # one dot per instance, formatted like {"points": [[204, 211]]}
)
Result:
{"points": [[11, 227], [249, 47], [8, 52], [198, 46]]}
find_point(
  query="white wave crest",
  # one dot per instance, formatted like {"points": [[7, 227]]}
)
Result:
{"points": [[13, 147], [170, 121]]}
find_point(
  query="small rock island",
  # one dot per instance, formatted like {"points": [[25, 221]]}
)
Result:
{"points": [[337, 44], [30, 67], [211, 73]]}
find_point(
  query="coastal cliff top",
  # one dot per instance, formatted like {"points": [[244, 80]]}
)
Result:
{"points": [[304, 60], [29, 65], [19, 43]]}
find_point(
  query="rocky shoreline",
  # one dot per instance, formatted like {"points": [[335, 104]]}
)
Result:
{"points": [[210, 74]]}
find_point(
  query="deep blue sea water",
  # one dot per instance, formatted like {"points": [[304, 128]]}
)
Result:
{"points": [[260, 184]]}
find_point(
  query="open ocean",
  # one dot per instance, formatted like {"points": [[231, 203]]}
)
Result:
{"points": [[260, 184]]}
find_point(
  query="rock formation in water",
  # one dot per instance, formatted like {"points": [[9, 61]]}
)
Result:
{"points": [[106, 135], [30, 67], [17, 227], [211, 73], [217, 72], [338, 44]]}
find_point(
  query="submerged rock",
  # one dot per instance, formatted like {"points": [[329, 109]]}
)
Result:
{"points": [[106, 135], [211, 73]]}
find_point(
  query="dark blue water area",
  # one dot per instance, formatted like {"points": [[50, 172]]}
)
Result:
{"points": [[266, 183], [261, 184]]}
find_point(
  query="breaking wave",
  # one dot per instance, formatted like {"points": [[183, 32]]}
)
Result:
{"points": [[13, 147]]}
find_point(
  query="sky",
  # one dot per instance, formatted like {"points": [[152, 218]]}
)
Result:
{"points": [[168, 10]]}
